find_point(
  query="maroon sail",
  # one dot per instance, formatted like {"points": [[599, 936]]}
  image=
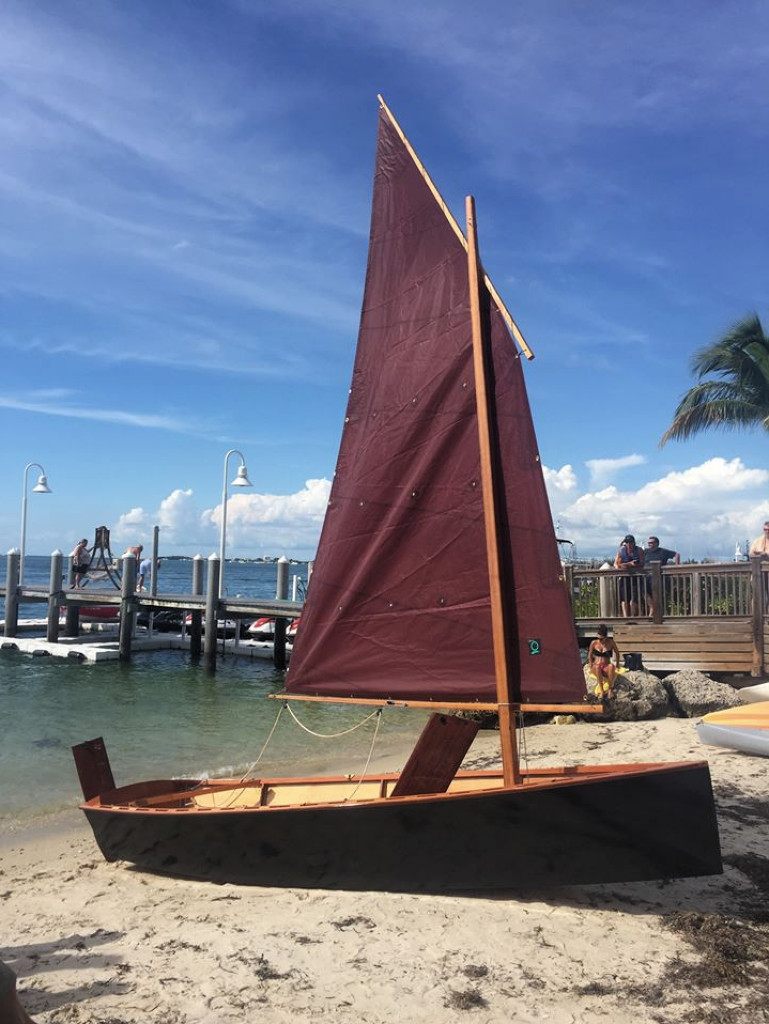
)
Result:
{"points": [[399, 602]]}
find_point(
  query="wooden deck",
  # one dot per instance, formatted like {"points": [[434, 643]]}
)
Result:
{"points": [[711, 617]]}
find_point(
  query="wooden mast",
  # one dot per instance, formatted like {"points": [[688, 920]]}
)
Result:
{"points": [[481, 354], [506, 315]]}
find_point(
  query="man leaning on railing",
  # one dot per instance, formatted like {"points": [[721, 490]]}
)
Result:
{"points": [[654, 553], [760, 549]]}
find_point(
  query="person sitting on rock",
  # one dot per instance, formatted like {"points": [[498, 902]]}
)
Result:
{"points": [[603, 662]]}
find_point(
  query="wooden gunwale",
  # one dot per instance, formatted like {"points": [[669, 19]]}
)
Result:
{"points": [[530, 780]]}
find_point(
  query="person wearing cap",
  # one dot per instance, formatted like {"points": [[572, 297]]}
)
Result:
{"points": [[654, 553], [632, 558], [81, 561]]}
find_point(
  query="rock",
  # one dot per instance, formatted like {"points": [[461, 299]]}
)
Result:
{"points": [[485, 719], [694, 694], [637, 695]]}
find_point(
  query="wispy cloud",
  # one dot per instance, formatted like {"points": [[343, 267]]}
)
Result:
{"points": [[45, 405], [602, 469]]}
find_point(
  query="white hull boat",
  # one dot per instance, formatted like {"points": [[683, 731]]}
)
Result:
{"points": [[743, 728]]}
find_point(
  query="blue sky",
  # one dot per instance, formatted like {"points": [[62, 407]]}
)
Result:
{"points": [[184, 207]]}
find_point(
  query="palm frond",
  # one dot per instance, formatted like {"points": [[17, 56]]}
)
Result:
{"points": [[739, 396]]}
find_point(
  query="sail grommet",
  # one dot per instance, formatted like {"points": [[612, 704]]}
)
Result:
{"points": [[442, 601], [415, 493]]}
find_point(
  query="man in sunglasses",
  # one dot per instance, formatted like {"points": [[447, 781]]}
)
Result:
{"points": [[654, 553]]}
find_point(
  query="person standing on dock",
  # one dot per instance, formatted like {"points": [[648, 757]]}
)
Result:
{"points": [[136, 551], [631, 558], [760, 546], [760, 549], [654, 553], [145, 572], [81, 561]]}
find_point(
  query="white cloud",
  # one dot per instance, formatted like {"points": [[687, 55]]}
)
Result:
{"points": [[256, 523], [563, 479], [602, 469], [701, 511], [684, 508], [264, 522]]}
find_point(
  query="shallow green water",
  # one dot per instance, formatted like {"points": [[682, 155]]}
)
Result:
{"points": [[162, 715]]}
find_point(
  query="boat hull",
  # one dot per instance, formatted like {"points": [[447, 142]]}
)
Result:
{"points": [[735, 737], [744, 727], [611, 826]]}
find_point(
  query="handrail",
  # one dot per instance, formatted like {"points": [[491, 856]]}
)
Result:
{"points": [[703, 589]]}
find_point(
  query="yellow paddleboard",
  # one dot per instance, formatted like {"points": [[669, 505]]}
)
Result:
{"points": [[748, 716]]}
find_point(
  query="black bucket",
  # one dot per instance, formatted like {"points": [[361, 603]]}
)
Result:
{"points": [[634, 661]]}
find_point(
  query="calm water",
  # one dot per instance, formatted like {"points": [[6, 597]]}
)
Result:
{"points": [[162, 715]]}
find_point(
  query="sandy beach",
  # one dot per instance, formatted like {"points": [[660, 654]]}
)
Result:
{"points": [[94, 942]]}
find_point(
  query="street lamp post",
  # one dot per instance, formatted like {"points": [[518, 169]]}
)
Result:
{"points": [[41, 487], [241, 480]]}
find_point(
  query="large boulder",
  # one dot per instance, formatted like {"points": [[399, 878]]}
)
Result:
{"points": [[693, 694], [637, 695]]}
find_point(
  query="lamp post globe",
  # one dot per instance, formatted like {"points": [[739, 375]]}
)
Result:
{"points": [[241, 480], [41, 487]]}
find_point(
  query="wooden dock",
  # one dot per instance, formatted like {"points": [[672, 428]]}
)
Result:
{"points": [[709, 616], [208, 607]]}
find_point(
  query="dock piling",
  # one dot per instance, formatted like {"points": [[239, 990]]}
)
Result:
{"points": [[72, 618], [196, 618], [12, 593], [281, 594], [127, 606], [55, 598], [212, 613]]}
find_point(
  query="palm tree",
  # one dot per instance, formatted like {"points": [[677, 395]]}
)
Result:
{"points": [[739, 394]]}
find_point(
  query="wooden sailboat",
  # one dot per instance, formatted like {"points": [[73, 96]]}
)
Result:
{"points": [[437, 583]]}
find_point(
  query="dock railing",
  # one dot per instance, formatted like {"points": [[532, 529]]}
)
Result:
{"points": [[680, 613], [709, 590]]}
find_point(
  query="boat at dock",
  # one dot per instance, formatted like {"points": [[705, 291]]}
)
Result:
{"points": [[97, 613], [437, 585]]}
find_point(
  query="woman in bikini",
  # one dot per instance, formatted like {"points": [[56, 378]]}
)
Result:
{"points": [[603, 662]]}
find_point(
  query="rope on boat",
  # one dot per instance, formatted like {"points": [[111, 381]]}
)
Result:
{"points": [[378, 713], [240, 788], [523, 752], [332, 735], [266, 743]]}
